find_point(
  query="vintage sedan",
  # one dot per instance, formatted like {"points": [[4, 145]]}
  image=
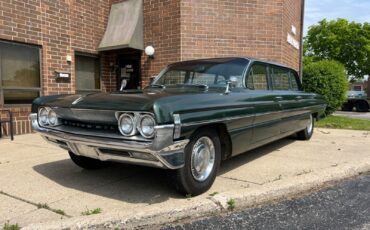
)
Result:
{"points": [[191, 117]]}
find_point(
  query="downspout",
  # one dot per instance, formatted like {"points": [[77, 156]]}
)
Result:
{"points": [[301, 38]]}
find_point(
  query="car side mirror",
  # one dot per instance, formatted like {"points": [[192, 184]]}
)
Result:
{"points": [[231, 83]]}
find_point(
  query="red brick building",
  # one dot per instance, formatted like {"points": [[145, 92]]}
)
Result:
{"points": [[74, 46]]}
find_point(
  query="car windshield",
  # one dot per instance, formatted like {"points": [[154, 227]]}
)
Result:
{"points": [[211, 73]]}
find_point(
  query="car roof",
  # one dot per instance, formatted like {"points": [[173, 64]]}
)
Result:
{"points": [[229, 59]]}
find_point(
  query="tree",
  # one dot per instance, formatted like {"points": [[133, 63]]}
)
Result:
{"points": [[346, 42], [327, 78]]}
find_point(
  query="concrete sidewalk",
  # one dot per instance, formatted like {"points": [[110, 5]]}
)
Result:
{"points": [[41, 188]]}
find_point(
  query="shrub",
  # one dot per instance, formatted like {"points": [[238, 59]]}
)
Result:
{"points": [[328, 78]]}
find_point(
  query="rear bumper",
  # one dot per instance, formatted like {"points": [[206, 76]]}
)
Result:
{"points": [[161, 152]]}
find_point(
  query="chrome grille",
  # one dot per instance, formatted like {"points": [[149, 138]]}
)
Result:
{"points": [[89, 126]]}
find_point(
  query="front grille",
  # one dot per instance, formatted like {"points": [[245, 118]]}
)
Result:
{"points": [[90, 126]]}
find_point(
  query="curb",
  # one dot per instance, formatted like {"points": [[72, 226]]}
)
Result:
{"points": [[243, 198]]}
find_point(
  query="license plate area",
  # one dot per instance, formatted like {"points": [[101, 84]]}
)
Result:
{"points": [[87, 151]]}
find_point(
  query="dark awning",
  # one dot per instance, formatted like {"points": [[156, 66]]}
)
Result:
{"points": [[125, 26]]}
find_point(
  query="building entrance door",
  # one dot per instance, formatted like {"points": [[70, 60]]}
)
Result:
{"points": [[128, 73]]}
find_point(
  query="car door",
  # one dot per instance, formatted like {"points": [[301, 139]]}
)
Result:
{"points": [[286, 87], [267, 110]]}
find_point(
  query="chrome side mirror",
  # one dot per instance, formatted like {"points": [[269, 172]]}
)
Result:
{"points": [[231, 83]]}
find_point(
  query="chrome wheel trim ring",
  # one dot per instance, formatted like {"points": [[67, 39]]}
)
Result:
{"points": [[202, 159], [310, 125]]}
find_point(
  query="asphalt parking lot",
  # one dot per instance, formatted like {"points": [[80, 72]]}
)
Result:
{"points": [[40, 186]]}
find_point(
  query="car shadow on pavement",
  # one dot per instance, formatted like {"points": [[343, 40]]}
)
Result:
{"points": [[135, 184]]}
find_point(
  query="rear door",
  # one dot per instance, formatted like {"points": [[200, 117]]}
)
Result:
{"points": [[286, 87]]}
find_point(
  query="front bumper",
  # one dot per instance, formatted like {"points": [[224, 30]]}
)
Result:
{"points": [[161, 152]]}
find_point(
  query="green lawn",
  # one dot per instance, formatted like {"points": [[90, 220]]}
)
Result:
{"points": [[337, 122]]}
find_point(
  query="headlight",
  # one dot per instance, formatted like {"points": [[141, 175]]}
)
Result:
{"points": [[52, 118], [146, 126], [43, 116], [126, 124]]}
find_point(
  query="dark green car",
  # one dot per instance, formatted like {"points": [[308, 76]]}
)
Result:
{"points": [[194, 114]]}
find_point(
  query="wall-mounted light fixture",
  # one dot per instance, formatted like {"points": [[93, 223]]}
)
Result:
{"points": [[149, 50]]}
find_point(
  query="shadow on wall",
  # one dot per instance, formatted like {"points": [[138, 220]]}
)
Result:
{"points": [[135, 184]]}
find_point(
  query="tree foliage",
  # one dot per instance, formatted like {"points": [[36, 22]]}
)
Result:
{"points": [[328, 78], [346, 42]]}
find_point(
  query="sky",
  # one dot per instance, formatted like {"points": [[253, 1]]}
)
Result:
{"points": [[353, 10]]}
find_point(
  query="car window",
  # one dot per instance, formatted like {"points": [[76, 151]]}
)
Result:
{"points": [[293, 81], [173, 77], [257, 78], [280, 78]]}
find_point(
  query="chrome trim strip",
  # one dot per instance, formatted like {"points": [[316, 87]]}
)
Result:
{"points": [[242, 116], [160, 147]]}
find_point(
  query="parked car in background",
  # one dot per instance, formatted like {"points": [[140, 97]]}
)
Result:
{"points": [[193, 115], [358, 100]]}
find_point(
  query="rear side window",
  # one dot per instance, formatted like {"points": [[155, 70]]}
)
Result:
{"points": [[294, 81], [257, 78], [280, 78]]}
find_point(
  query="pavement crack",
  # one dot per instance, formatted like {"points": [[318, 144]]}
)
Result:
{"points": [[240, 180], [216, 202], [37, 205]]}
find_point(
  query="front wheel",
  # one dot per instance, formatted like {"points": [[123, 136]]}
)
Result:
{"points": [[202, 160], [307, 133]]}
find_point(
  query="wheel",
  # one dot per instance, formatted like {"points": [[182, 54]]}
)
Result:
{"points": [[202, 161], [347, 107], [86, 162], [306, 134], [362, 106]]}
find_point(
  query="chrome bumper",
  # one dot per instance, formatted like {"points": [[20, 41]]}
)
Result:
{"points": [[161, 152]]}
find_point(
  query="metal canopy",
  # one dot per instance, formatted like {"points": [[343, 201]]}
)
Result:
{"points": [[125, 26]]}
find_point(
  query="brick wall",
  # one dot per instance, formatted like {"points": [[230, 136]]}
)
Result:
{"points": [[162, 31], [213, 28]]}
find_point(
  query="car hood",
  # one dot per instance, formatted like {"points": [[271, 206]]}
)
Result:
{"points": [[162, 102], [128, 100]]}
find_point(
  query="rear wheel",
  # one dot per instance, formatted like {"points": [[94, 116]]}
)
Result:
{"points": [[362, 106], [307, 133], [202, 160], [86, 162]]}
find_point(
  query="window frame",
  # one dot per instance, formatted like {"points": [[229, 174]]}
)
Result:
{"points": [[90, 55], [25, 89], [290, 72], [249, 71]]}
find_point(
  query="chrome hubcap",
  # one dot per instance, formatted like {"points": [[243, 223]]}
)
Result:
{"points": [[310, 125], [202, 158]]}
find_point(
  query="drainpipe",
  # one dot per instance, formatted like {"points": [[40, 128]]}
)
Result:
{"points": [[301, 38]]}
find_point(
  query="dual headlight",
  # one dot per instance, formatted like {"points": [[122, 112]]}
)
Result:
{"points": [[48, 117], [131, 123]]}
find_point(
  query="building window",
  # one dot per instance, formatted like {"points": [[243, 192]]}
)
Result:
{"points": [[19, 73], [87, 73]]}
